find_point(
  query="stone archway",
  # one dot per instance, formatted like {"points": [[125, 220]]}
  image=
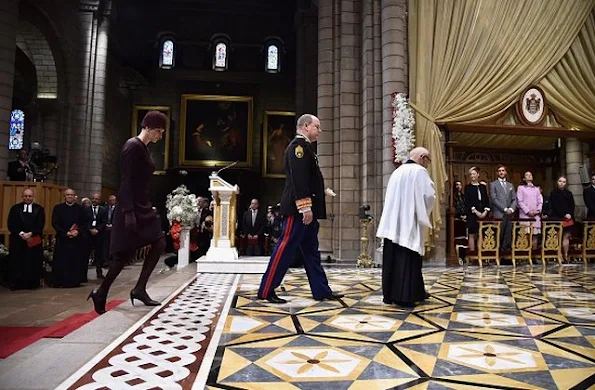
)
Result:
{"points": [[35, 46]]}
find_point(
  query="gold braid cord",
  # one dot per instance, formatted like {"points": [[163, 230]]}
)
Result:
{"points": [[302, 203]]}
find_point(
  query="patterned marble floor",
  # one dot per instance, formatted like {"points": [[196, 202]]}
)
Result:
{"points": [[492, 328]]}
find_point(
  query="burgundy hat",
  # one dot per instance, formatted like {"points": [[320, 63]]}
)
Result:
{"points": [[154, 120]]}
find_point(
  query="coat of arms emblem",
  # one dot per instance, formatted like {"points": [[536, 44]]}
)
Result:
{"points": [[531, 106]]}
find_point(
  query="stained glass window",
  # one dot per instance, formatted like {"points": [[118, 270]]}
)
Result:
{"points": [[221, 56], [167, 54], [272, 59], [17, 129]]}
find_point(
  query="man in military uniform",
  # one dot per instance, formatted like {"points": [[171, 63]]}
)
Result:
{"points": [[302, 205]]}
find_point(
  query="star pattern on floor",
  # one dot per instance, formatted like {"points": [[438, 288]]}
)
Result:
{"points": [[501, 328]]}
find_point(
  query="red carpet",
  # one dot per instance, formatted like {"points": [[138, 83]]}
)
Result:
{"points": [[15, 338]]}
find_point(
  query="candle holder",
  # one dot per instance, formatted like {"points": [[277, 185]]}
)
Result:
{"points": [[364, 260]]}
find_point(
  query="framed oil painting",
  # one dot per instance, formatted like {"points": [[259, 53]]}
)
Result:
{"points": [[279, 130], [160, 150], [216, 130]]}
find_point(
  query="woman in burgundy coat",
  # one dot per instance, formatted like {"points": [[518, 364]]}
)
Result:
{"points": [[135, 224]]}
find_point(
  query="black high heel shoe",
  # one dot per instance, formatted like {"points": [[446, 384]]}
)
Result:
{"points": [[98, 302], [143, 297]]}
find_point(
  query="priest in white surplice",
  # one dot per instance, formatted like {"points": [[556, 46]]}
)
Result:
{"points": [[409, 200]]}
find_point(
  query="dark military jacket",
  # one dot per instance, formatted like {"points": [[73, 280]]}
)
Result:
{"points": [[304, 184]]}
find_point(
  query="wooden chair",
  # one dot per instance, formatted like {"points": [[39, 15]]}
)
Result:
{"points": [[551, 246], [588, 244], [488, 243], [522, 240]]}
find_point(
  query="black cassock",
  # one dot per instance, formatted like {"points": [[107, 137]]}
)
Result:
{"points": [[402, 278], [25, 264], [69, 268]]}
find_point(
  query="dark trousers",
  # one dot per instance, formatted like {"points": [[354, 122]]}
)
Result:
{"points": [[505, 232], [96, 243], [296, 236]]}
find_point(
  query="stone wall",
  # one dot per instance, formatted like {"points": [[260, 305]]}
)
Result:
{"points": [[362, 61], [8, 26]]}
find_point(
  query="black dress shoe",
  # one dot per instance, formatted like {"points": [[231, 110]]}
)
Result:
{"points": [[143, 297], [331, 296], [427, 295], [273, 298], [98, 302]]}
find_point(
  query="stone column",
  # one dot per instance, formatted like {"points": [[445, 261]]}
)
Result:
{"points": [[574, 161], [85, 160], [9, 17], [339, 109], [394, 72]]}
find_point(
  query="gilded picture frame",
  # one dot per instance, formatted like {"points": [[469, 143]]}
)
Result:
{"points": [[216, 130], [160, 150], [278, 131]]}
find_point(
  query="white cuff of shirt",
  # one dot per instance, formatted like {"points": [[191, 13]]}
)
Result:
{"points": [[305, 210]]}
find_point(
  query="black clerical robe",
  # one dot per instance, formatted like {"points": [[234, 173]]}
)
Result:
{"points": [[409, 200], [25, 264], [69, 268]]}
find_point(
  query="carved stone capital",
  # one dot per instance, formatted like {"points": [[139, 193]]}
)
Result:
{"points": [[89, 5]]}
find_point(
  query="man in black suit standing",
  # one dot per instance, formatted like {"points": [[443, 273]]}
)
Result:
{"points": [[204, 227], [253, 225], [96, 217], [19, 169], [589, 197]]}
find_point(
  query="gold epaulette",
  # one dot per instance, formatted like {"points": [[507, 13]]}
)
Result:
{"points": [[303, 203]]}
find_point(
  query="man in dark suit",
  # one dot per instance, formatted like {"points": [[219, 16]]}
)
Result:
{"points": [[26, 221], [302, 205], [204, 228], [504, 204], [96, 217], [589, 197], [253, 226], [111, 207], [19, 169]]}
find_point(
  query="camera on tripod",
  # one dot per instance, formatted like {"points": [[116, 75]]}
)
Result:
{"points": [[362, 212]]}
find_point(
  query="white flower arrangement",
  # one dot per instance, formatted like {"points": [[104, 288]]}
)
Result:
{"points": [[403, 128], [182, 206]]}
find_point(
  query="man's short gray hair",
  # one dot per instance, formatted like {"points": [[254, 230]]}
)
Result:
{"points": [[305, 119]]}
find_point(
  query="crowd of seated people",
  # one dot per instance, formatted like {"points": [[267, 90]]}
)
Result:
{"points": [[501, 201]]}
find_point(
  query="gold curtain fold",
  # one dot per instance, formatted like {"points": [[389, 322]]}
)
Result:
{"points": [[470, 59], [570, 86]]}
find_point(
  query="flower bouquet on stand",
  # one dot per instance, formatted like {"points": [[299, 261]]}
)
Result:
{"points": [[403, 132], [182, 210]]}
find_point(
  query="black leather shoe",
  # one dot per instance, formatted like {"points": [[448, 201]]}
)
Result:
{"points": [[98, 302], [427, 295], [143, 297], [273, 298], [331, 296]]}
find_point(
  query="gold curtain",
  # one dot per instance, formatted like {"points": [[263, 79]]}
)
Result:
{"points": [[470, 59], [570, 86]]}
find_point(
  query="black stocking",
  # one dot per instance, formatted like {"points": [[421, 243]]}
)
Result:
{"points": [[119, 260], [149, 264]]}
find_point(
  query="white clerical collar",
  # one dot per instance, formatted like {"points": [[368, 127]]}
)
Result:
{"points": [[28, 208]]}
